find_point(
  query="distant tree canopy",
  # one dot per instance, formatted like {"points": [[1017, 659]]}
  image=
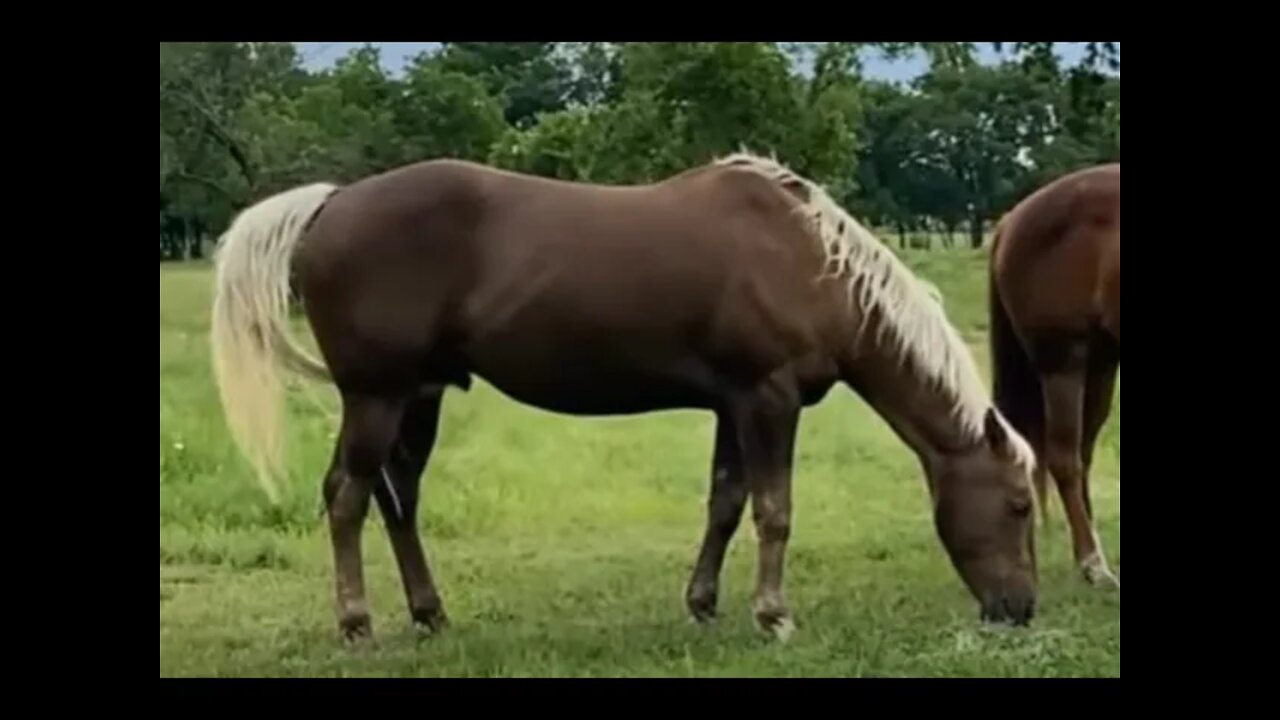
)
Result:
{"points": [[952, 150]]}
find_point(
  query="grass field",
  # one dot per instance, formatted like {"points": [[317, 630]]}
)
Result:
{"points": [[561, 546]]}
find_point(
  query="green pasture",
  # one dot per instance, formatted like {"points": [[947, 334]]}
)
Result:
{"points": [[561, 546]]}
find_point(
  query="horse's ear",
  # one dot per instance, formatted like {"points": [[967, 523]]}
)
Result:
{"points": [[997, 436]]}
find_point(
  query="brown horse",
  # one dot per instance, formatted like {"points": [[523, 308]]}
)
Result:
{"points": [[736, 287], [1055, 334]]}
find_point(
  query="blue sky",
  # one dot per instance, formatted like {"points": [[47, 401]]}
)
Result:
{"points": [[395, 55]]}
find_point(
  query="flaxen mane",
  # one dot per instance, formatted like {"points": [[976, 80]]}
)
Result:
{"points": [[910, 308]]}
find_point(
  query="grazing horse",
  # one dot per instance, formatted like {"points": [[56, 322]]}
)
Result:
{"points": [[1055, 335], [736, 287]]}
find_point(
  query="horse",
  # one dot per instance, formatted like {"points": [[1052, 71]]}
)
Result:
{"points": [[1055, 335], [736, 287]]}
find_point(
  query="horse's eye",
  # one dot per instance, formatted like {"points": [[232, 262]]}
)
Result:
{"points": [[1020, 507]]}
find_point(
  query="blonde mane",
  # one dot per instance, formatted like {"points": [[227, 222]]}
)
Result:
{"points": [[910, 308]]}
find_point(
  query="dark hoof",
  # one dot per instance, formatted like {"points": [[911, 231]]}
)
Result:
{"points": [[702, 606], [356, 629], [429, 621]]}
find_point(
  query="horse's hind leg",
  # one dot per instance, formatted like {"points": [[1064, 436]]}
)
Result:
{"points": [[369, 427], [724, 513], [397, 495], [1064, 388], [1100, 385]]}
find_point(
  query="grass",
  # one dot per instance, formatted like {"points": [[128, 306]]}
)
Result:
{"points": [[562, 545]]}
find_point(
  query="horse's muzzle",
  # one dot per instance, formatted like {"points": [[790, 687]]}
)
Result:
{"points": [[1013, 610]]}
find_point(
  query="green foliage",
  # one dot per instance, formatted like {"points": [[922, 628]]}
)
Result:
{"points": [[830, 122], [634, 140], [596, 68], [981, 119], [730, 95], [241, 120], [558, 146], [967, 141], [530, 78], [681, 104], [444, 113]]}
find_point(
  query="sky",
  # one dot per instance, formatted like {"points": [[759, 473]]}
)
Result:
{"points": [[395, 55]]}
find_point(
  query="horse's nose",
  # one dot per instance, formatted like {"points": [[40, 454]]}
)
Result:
{"points": [[1021, 610], [1014, 610]]}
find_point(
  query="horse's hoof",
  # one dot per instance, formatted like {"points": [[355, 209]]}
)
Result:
{"points": [[429, 621], [356, 629], [777, 625], [1097, 574], [702, 606], [703, 617]]}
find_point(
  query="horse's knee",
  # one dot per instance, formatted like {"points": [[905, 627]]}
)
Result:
{"points": [[773, 525], [332, 484], [1064, 463]]}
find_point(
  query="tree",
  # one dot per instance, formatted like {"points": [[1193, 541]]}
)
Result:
{"points": [[832, 120], [984, 123], [528, 78], [207, 160], [241, 120], [1084, 127], [595, 69], [446, 113], [731, 94]]}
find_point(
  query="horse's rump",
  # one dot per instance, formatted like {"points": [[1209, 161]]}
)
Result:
{"points": [[1057, 251]]}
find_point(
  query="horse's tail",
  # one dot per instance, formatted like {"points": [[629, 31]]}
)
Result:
{"points": [[1015, 383], [249, 333]]}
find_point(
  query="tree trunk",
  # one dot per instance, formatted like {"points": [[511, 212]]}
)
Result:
{"points": [[976, 229], [196, 251]]}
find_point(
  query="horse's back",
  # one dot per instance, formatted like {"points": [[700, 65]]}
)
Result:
{"points": [[671, 285], [521, 276]]}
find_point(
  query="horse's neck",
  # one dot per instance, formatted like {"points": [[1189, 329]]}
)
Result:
{"points": [[918, 411]]}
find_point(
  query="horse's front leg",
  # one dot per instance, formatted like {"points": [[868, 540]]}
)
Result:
{"points": [[766, 421]]}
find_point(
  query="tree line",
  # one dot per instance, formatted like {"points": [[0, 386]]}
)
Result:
{"points": [[946, 153]]}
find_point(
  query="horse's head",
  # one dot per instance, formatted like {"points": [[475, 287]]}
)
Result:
{"points": [[983, 512]]}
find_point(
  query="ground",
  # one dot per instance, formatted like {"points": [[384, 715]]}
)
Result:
{"points": [[561, 546]]}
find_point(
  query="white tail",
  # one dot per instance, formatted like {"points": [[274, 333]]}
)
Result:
{"points": [[250, 333]]}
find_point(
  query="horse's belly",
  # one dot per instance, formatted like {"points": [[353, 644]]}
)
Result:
{"points": [[583, 384], [590, 345]]}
